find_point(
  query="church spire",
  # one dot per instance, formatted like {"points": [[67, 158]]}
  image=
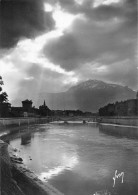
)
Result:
{"points": [[44, 103]]}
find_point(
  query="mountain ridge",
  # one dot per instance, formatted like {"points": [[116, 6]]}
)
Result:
{"points": [[88, 96], [96, 83]]}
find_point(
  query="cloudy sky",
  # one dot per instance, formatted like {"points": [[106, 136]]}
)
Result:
{"points": [[50, 45]]}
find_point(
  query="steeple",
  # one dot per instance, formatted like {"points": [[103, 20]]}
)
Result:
{"points": [[44, 104]]}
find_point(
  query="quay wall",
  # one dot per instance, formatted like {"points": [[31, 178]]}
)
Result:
{"points": [[8, 186], [17, 180], [130, 121], [119, 130], [14, 122]]}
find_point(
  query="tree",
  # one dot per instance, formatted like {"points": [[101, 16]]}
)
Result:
{"points": [[3, 95], [1, 83]]}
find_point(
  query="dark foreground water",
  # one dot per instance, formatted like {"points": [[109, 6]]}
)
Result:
{"points": [[81, 160]]}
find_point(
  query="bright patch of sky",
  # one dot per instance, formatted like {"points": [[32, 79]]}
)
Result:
{"points": [[80, 2], [48, 7], [28, 51], [6, 67], [71, 80], [29, 78], [101, 69], [97, 67], [104, 2], [11, 76], [63, 20]]}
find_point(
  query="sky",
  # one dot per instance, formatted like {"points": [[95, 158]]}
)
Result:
{"points": [[51, 45]]}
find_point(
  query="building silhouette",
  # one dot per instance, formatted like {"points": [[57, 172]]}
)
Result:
{"points": [[123, 108], [27, 105], [44, 110], [5, 109]]}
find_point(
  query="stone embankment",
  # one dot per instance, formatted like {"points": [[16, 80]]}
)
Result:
{"points": [[120, 120], [119, 126], [8, 185], [16, 179], [17, 122]]}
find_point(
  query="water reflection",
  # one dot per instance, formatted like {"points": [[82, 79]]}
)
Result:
{"points": [[78, 160], [67, 163], [25, 138], [119, 131]]}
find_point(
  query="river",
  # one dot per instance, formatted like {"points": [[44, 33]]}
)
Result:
{"points": [[78, 159]]}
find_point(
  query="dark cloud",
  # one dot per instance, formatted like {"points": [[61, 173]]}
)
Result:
{"points": [[20, 19], [126, 10], [65, 51], [102, 12], [106, 30], [88, 42], [106, 37], [124, 73]]}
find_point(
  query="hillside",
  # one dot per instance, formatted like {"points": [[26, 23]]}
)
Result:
{"points": [[87, 96]]}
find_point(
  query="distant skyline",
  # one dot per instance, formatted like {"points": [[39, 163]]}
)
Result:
{"points": [[51, 45]]}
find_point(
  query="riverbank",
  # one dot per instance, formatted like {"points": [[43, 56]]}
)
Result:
{"points": [[22, 121], [119, 126], [120, 120], [16, 179], [23, 180], [74, 159], [130, 132]]}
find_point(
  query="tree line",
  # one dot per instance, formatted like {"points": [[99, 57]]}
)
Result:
{"points": [[3, 95]]}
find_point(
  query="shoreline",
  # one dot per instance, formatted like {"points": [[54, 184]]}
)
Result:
{"points": [[119, 120], [130, 132], [26, 180], [21, 178], [18, 122]]}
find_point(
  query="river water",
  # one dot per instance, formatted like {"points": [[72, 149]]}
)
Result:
{"points": [[78, 159]]}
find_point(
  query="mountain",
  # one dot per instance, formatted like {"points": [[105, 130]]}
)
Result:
{"points": [[87, 96]]}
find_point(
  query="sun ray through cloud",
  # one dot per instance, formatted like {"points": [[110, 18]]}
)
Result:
{"points": [[80, 33]]}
